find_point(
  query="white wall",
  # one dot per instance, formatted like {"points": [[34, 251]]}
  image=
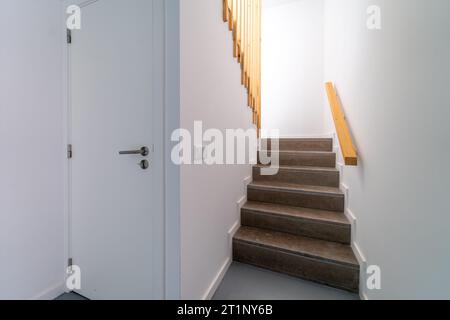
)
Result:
{"points": [[292, 67], [31, 149], [394, 87], [211, 91], [172, 175]]}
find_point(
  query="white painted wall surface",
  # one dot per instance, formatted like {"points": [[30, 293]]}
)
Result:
{"points": [[31, 149], [292, 67], [172, 174], [211, 91], [394, 87]]}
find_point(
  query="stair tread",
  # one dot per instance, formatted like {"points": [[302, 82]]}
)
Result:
{"points": [[299, 168], [267, 185], [324, 216], [294, 244]]}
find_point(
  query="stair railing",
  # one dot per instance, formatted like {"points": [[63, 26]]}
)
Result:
{"points": [[244, 20], [345, 139]]}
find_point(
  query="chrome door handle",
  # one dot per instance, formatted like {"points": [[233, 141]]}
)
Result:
{"points": [[144, 151]]}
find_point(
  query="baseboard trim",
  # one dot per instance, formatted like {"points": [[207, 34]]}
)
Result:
{"points": [[247, 181], [359, 256], [362, 273], [344, 188], [226, 265], [352, 218], [363, 296], [51, 293], [209, 294], [217, 280], [233, 231]]}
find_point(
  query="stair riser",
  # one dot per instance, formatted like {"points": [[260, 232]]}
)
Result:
{"points": [[321, 271], [312, 178], [320, 201], [327, 160], [302, 227], [325, 145]]}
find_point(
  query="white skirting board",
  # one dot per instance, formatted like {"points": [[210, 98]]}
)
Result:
{"points": [[217, 280], [352, 218], [359, 256], [226, 265], [51, 293], [356, 248]]}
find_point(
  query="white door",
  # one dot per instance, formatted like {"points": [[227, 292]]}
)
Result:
{"points": [[112, 196]]}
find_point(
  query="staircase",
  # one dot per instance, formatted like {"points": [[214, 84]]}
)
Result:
{"points": [[294, 222]]}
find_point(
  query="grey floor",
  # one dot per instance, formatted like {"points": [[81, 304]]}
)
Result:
{"points": [[244, 282], [71, 296]]}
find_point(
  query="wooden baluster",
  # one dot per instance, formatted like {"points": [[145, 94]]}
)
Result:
{"points": [[235, 29], [253, 77], [249, 50], [249, 45], [244, 41], [225, 10], [230, 15], [239, 31], [260, 63], [258, 51], [244, 20], [247, 32]]}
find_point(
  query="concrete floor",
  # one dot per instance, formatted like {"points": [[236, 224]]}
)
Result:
{"points": [[71, 296], [244, 282]]}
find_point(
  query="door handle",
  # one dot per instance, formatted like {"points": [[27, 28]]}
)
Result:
{"points": [[144, 151]]}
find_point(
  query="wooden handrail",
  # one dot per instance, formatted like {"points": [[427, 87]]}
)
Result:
{"points": [[244, 20], [345, 139]]}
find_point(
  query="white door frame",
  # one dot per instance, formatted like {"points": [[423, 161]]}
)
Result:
{"points": [[166, 228]]}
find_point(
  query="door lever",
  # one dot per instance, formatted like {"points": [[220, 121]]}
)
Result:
{"points": [[144, 151]]}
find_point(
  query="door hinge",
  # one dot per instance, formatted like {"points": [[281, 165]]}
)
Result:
{"points": [[69, 151], [69, 36], [70, 262]]}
